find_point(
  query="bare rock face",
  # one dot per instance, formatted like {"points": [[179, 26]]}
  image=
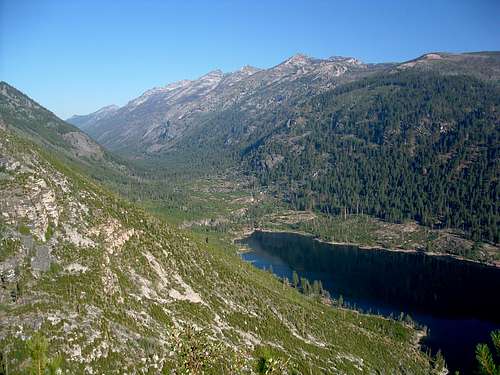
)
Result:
{"points": [[41, 261], [83, 145]]}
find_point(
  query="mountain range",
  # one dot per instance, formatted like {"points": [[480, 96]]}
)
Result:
{"points": [[91, 283], [94, 283], [160, 117], [163, 117], [398, 140]]}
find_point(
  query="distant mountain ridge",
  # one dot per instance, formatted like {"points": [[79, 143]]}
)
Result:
{"points": [[396, 141], [83, 121], [155, 120], [162, 118]]}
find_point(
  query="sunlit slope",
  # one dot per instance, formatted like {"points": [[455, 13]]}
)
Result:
{"points": [[107, 284]]}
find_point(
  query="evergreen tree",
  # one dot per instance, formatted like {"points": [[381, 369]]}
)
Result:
{"points": [[485, 359], [37, 346], [316, 287], [295, 279], [306, 286], [340, 301]]}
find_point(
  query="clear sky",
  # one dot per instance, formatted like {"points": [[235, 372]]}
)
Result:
{"points": [[77, 56]]}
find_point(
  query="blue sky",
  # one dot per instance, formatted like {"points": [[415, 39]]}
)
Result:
{"points": [[77, 56]]}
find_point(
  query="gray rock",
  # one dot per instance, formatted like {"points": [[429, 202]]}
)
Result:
{"points": [[41, 261]]}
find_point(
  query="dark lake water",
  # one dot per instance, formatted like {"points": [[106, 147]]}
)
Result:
{"points": [[458, 301]]}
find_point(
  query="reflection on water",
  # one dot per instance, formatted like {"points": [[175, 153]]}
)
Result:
{"points": [[457, 300]]}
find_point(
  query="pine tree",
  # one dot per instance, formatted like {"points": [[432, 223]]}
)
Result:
{"points": [[439, 365], [340, 301], [306, 286], [487, 365], [37, 346], [295, 279], [316, 288]]}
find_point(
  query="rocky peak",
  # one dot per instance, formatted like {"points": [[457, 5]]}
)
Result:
{"points": [[298, 59], [213, 75], [144, 97], [84, 120], [432, 56], [177, 84], [344, 59], [423, 60], [248, 70], [169, 88], [107, 109]]}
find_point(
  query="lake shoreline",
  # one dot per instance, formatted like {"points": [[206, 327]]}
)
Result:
{"points": [[247, 233], [387, 282], [419, 333]]}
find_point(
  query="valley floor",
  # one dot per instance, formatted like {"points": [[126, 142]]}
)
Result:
{"points": [[230, 209]]}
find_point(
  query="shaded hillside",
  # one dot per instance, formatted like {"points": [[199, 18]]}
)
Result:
{"points": [[36, 123], [30, 120]]}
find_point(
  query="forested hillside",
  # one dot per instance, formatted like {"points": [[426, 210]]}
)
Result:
{"points": [[405, 145], [418, 140]]}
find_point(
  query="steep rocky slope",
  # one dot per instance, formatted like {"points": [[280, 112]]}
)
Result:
{"points": [[116, 290], [30, 120]]}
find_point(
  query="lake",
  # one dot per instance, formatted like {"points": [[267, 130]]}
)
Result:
{"points": [[458, 301]]}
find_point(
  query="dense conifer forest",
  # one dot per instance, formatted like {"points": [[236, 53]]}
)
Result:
{"points": [[397, 146]]}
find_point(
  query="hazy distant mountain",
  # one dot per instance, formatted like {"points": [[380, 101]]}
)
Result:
{"points": [[84, 121]]}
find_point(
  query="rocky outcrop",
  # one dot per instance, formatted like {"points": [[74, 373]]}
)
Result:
{"points": [[83, 145]]}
